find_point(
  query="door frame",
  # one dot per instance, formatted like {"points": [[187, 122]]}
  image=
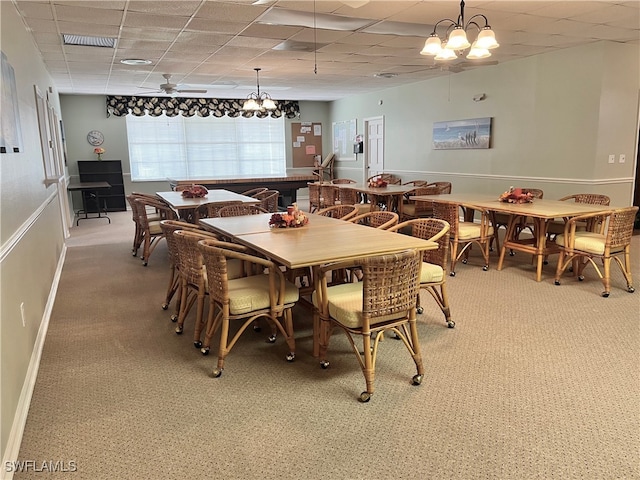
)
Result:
{"points": [[366, 122]]}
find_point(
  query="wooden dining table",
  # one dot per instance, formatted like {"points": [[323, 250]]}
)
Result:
{"points": [[539, 211], [390, 196], [183, 204], [322, 240]]}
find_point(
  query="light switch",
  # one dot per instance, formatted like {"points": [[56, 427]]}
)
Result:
{"points": [[622, 158], [612, 158]]}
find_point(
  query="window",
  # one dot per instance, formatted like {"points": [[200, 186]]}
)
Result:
{"points": [[205, 147]]}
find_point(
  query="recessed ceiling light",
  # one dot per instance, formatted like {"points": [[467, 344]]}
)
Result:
{"points": [[135, 61], [385, 75]]}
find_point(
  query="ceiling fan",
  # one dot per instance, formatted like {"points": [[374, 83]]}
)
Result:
{"points": [[173, 88]]}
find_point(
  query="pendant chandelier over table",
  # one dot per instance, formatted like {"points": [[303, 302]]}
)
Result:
{"points": [[455, 39], [257, 101]]}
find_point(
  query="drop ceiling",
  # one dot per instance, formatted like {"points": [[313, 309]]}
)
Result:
{"points": [[322, 50]]}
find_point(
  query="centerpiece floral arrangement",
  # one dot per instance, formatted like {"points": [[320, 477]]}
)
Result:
{"points": [[378, 183], [516, 195], [293, 218], [99, 151], [195, 191]]}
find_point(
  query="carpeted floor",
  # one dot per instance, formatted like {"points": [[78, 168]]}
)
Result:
{"points": [[536, 381]]}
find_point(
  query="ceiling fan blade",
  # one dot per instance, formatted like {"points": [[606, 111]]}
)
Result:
{"points": [[191, 91]]}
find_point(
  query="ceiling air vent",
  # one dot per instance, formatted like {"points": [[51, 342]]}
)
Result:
{"points": [[85, 41]]}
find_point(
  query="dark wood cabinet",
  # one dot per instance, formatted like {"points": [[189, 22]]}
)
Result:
{"points": [[113, 199]]}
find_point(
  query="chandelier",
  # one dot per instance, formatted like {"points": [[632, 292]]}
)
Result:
{"points": [[455, 39], [257, 101]]}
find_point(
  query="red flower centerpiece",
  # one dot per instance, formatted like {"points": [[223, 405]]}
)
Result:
{"points": [[378, 183], [516, 195], [195, 191], [293, 218]]}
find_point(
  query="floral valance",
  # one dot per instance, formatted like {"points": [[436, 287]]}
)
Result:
{"points": [[188, 107]]}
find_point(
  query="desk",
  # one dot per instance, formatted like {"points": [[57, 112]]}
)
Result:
{"points": [[287, 186], [183, 204], [87, 189], [540, 211], [321, 241]]}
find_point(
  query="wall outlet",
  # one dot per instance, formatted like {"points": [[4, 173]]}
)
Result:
{"points": [[622, 158], [612, 158]]}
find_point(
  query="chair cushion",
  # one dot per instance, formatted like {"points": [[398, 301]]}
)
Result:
{"points": [[345, 305], [155, 228], [248, 294], [586, 242], [468, 230], [431, 273]]}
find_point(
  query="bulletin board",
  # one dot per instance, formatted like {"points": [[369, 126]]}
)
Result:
{"points": [[307, 143]]}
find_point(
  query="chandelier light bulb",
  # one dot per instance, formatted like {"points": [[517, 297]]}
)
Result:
{"points": [[487, 39], [477, 53], [458, 39], [446, 54], [433, 45]]}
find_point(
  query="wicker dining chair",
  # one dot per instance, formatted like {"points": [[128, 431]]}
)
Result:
{"points": [[462, 235], [556, 227], [193, 279], [240, 209], [382, 219], [433, 274], [343, 212], [153, 215], [254, 191], [501, 220], [173, 289], [342, 181], [314, 196], [212, 209], [266, 295], [326, 168], [385, 301], [351, 196], [328, 195], [268, 200], [390, 178], [419, 209], [150, 213], [416, 183], [610, 241]]}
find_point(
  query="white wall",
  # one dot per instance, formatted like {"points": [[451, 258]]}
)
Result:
{"points": [[556, 118], [31, 236]]}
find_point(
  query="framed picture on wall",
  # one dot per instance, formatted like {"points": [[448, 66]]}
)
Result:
{"points": [[10, 132], [462, 134]]}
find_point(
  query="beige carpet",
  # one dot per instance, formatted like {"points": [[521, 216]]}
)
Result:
{"points": [[536, 381]]}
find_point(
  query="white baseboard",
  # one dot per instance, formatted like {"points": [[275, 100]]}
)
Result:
{"points": [[10, 454]]}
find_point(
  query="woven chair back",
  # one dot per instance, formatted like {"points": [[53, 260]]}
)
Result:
{"points": [[240, 210], [189, 257], [381, 219], [254, 191], [390, 284], [343, 212], [268, 200], [589, 198], [620, 228]]}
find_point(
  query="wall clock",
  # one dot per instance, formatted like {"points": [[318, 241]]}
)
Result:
{"points": [[95, 138]]}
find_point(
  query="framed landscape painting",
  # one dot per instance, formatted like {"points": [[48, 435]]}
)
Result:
{"points": [[456, 134]]}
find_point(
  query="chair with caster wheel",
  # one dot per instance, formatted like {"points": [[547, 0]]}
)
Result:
{"points": [[610, 241], [385, 301], [173, 289], [463, 235], [265, 295], [433, 274]]}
